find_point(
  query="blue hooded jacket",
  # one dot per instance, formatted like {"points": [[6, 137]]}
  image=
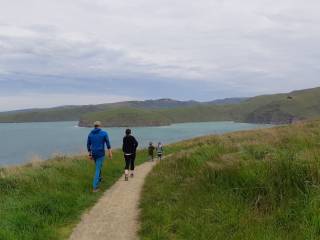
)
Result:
{"points": [[97, 140]]}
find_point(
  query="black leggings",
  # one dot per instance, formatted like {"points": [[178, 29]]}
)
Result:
{"points": [[130, 161]]}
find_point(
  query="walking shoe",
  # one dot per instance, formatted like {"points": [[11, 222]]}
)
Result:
{"points": [[131, 175], [96, 190], [126, 178]]}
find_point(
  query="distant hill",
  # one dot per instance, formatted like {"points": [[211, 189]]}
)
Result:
{"points": [[228, 101], [125, 116], [275, 108], [284, 108], [74, 113]]}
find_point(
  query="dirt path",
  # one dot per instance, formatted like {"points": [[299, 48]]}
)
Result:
{"points": [[115, 216]]}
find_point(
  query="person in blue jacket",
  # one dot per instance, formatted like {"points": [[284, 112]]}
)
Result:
{"points": [[97, 140]]}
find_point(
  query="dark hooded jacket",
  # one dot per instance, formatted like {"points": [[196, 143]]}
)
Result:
{"points": [[129, 145]]}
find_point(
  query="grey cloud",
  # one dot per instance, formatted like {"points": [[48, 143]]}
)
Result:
{"points": [[230, 47]]}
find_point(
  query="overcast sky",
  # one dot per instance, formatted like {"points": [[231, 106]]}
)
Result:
{"points": [[55, 52]]}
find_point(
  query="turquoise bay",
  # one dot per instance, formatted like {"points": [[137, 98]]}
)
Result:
{"points": [[23, 141]]}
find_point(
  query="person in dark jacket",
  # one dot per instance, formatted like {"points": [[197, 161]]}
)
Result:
{"points": [[96, 142], [129, 148], [151, 151]]}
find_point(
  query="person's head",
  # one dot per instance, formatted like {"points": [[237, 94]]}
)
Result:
{"points": [[150, 143], [159, 144], [128, 131], [97, 124]]}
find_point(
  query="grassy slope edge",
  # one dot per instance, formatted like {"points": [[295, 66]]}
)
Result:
{"points": [[262, 184], [45, 200]]}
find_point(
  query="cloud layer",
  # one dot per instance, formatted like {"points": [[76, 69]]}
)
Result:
{"points": [[182, 49]]}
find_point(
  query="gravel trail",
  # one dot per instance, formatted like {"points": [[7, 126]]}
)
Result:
{"points": [[115, 215]]}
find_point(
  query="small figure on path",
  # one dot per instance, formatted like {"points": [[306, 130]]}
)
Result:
{"points": [[96, 142], [129, 148], [159, 150], [151, 151]]}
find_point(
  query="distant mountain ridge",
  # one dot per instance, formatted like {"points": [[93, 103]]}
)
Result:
{"points": [[74, 112], [276, 109], [228, 101]]}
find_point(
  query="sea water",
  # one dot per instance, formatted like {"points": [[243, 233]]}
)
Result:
{"points": [[20, 142]]}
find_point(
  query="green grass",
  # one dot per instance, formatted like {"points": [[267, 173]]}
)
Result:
{"points": [[45, 200], [122, 117], [262, 184]]}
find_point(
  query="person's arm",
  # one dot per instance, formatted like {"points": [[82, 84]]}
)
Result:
{"points": [[135, 143], [110, 153], [89, 146], [123, 143], [107, 140]]}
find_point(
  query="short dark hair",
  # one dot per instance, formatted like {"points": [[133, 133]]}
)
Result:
{"points": [[128, 131]]}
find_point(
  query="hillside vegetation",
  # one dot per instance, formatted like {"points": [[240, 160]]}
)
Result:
{"points": [[122, 117], [275, 109], [44, 200], [74, 113], [262, 184]]}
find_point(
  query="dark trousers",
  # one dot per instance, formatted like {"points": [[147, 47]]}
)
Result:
{"points": [[130, 161]]}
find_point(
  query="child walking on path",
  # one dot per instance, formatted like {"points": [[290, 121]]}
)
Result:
{"points": [[159, 150], [129, 148], [151, 151]]}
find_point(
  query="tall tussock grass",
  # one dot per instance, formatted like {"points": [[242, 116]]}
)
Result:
{"points": [[262, 184], [43, 200]]}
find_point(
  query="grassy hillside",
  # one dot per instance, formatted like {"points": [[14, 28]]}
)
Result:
{"points": [[303, 104], [122, 117], [276, 109], [262, 184], [45, 200], [73, 113], [47, 115]]}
